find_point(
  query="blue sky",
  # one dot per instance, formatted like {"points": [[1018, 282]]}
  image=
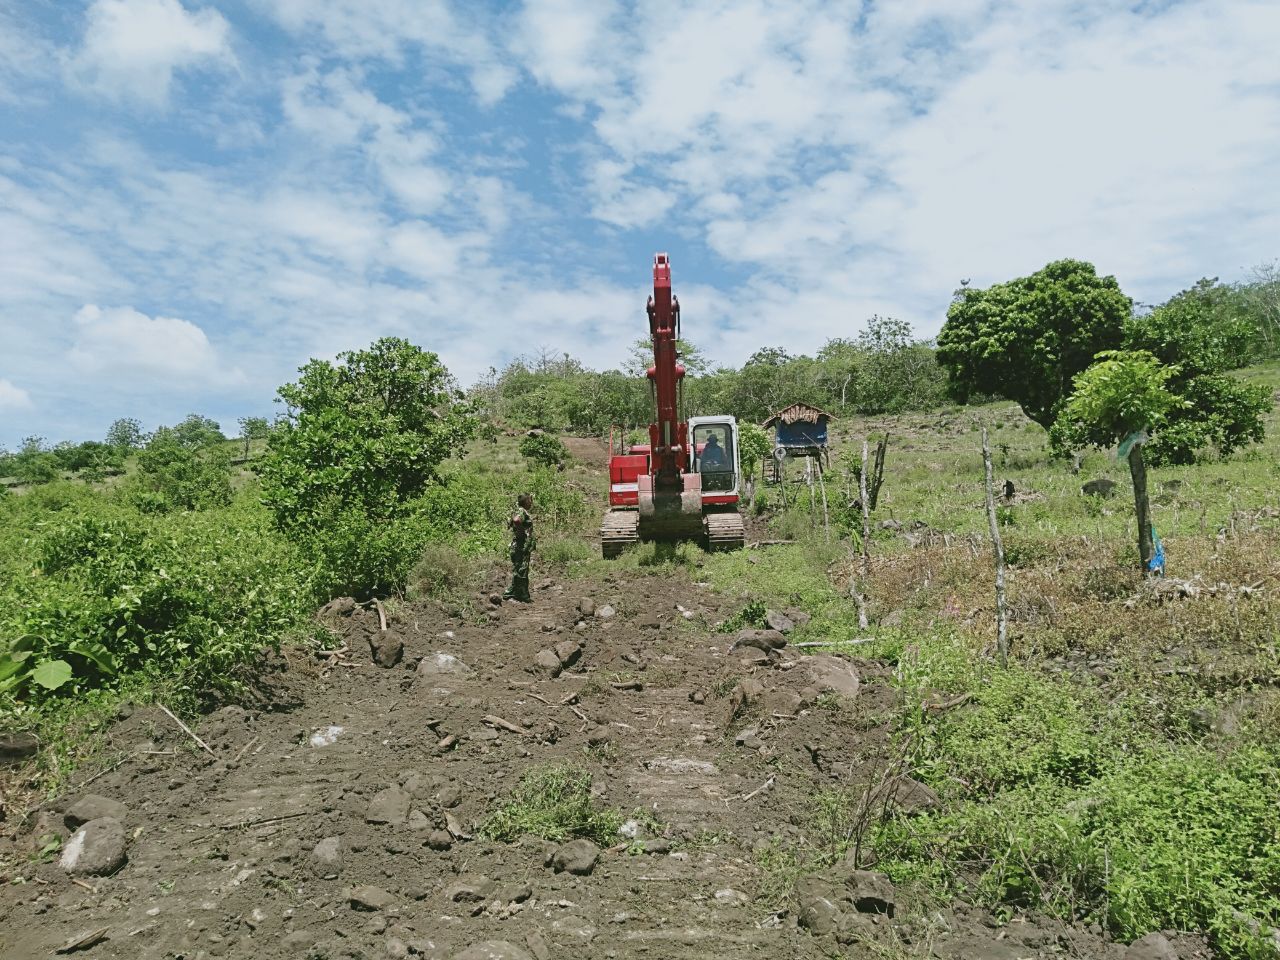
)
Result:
{"points": [[196, 197]]}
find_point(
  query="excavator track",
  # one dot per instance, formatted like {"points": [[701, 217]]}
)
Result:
{"points": [[725, 531], [619, 530]]}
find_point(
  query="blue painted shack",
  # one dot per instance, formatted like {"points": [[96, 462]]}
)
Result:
{"points": [[800, 428]]}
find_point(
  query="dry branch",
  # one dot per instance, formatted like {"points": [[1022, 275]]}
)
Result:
{"points": [[185, 729], [1002, 612]]}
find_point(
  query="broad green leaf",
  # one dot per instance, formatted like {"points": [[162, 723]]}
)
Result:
{"points": [[51, 674]]}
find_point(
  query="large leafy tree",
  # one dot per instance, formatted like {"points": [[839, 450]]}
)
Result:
{"points": [[367, 432], [1201, 334], [1028, 338]]}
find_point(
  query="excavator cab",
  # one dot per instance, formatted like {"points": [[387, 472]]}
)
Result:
{"points": [[715, 455]]}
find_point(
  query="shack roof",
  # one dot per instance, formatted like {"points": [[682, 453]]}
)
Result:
{"points": [[798, 412]]}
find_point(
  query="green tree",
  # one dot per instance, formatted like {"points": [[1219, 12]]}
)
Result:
{"points": [[34, 463], [1201, 334], [753, 447], [253, 428], [362, 438], [1027, 339], [175, 475], [196, 432], [1119, 399], [125, 434], [543, 449]]}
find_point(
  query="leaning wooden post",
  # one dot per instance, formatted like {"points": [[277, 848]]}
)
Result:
{"points": [[1002, 615], [1142, 506], [826, 514], [864, 562]]}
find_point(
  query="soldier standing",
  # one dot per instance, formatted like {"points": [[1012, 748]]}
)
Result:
{"points": [[522, 546]]}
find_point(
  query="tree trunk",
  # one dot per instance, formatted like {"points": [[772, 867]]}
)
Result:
{"points": [[1142, 507]]}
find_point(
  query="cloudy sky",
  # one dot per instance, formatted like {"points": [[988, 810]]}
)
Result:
{"points": [[198, 195]]}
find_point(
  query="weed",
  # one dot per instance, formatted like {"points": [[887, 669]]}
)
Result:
{"points": [[553, 802]]}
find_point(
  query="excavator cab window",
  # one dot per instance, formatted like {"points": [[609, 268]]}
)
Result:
{"points": [[713, 444]]}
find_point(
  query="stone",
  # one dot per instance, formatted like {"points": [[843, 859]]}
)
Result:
{"points": [[439, 840], [418, 821], [568, 652], [1101, 487], [577, 857], [494, 950], [766, 640], [871, 892], [469, 889], [587, 607], [441, 664], [697, 696], [682, 765], [299, 941], [657, 846], [390, 806], [16, 747], [370, 899], [828, 674], [538, 946], [1154, 946], [911, 796], [96, 849], [396, 948], [728, 895], [341, 607], [326, 858], [779, 622], [91, 807], [387, 648], [449, 795], [547, 664], [605, 612], [818, 902]]}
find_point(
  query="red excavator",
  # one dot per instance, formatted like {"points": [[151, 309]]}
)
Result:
{"points": [[683, 483]]}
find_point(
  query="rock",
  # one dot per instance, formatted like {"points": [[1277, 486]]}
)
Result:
{"points": [[779, 622], [871, 892], [605, 612], [818, 903], [91, 807], [341, 607], [326, 858], [449, 795], [697, 696], [893, 525], [568, 652], [547, 664], [629, 829], [469, 889], [538, 946], [419, 786], [730, 896], [1101, 487], [765, 640], [441, 664], [387, 648], [577, 857], [396, 948], [587, 607], [911, 796], [418, 821], [96, 849], [828, 674], [1154, 946], [494, 950], [439, 840], [370, 899], [16, 747], [682, 765], [657, 846], [389, 806], [299, 941]]}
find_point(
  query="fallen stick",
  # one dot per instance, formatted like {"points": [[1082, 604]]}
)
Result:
{"points": [[84, 941], [626, 684], [578, 713], [831, 643], [382, 614], [88, 886], [493, 721], [264, 820], [540, 699], [948, 704], [244, 750], [570, 697], [103, 772], [760, 789], [185, 729]]}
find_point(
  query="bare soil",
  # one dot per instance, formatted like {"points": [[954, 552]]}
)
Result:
{"points": [[723, 749]]}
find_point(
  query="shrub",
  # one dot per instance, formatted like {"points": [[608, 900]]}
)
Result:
{"points": [[553, 802], [174, 474], [543, 450]]}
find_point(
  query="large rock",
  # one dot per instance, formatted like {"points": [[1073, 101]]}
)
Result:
{"points": [[818, 905], [387, 648], [871, 892], [389, 806], [1101, 487], [92, 806], [548, 664], [779, 621], [469, 889], [828, 674], [577, 857], [326, 858], [494, 950], [911, 796], [441, 664], [766, 640], [1154, 946], [370, 899], [96, 849], [16, 747], [568, 652]]}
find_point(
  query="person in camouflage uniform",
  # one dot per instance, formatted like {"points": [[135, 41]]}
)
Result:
{"points": [[523, 543]]}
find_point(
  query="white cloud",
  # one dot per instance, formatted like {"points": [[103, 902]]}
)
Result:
{"points": [[123, 342], [132, 48], [13, 397]]}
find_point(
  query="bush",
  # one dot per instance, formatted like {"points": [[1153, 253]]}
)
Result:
{"points": [[177, 475], [553, 802], [543, 450]]}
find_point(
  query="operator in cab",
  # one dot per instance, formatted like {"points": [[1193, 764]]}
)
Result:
{"points": [[712, 455]]}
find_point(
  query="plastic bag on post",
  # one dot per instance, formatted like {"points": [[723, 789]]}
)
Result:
{"points": [[1137, 437]]}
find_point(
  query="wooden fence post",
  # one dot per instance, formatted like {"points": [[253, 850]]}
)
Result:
{"points": [[1002, 616]]}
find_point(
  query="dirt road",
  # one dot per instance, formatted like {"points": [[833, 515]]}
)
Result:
{"points": [[341, 816]]}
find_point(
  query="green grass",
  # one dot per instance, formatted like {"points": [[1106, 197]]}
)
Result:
{"points": [[553, 802]]}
